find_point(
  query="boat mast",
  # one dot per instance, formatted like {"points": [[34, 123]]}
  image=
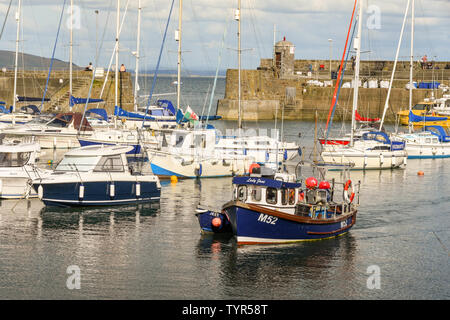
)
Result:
{"points": [[411, 64], [357, 47], [71, 53], [238, 18], [136, 83], [386, 104], [116, 80], [19, 8], [178, 38]]}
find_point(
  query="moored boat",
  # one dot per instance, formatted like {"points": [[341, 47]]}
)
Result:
{"points": [[18, 168], [97, 176]]}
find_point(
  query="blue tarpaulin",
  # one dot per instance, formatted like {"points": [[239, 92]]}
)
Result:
{"points": [[73, 101]]}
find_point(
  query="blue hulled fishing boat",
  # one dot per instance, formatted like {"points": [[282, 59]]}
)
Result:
{"points": [[272, 207]]}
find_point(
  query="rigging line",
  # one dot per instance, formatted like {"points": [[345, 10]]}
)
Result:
{"points": [[340, 85], [340, 68], [53, 56], [157, 64], [218, 66], [6, 18], [114, 51], [95, 68]]}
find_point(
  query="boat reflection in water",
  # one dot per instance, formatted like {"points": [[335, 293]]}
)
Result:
{"points": [[281, 271]]}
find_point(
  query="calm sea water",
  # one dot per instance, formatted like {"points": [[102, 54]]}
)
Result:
{"points": [[158, 252]]}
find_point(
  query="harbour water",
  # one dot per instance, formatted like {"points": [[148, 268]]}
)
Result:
{"points": [[398, 249]]}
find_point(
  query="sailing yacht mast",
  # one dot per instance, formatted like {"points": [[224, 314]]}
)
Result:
{"points": [[411, 65], [386, 104], [238, 18], [136, 83], [357, 47], [18, 16], [178, 38], [116, 80], [71, 53]]}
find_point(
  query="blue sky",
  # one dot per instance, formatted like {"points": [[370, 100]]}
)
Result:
{"points": [[307, 24]]}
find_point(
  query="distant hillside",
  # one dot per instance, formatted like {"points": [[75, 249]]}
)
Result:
{"points": [[29, 61]]}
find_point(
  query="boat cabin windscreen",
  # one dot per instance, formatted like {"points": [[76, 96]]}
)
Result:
{"points": [[271, 195], [77, 163], [110, 163], [14, 159]]}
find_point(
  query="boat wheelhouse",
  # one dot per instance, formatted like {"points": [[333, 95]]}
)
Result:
{"points": [[97, 176]]}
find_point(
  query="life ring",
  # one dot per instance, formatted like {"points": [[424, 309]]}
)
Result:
{"points": [[349, 185]]}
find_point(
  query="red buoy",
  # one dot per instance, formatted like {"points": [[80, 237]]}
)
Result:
{"points": [[324, 185], [311, 182], [216, 222]]}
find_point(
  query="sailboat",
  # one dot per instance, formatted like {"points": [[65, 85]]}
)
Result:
{"points": [[374, 150], [433, 141]]}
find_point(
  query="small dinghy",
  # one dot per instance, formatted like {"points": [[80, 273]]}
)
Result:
{"points": [[97, 176], [271, 207]]}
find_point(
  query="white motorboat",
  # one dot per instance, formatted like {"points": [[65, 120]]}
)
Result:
{"points": [[18, 168], [193, 154], [431, 143], [97, 176]]}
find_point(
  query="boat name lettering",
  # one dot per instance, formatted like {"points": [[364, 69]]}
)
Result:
{"points": [[257, 181], [267, 219]]}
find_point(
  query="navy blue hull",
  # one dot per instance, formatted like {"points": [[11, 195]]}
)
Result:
{"points": [[98, 193], [205, 221], [252, 226]]}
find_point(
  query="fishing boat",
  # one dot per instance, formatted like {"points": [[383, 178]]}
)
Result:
{"points": [[18, 168], [272, 207], [97, 176]]}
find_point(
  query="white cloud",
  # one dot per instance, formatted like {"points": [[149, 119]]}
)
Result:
{"points": [[307, 23]]}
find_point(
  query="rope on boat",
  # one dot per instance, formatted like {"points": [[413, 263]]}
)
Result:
{"points": [[157, 64], [53, 56]]}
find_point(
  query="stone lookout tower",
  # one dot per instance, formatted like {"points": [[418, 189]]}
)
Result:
{"points": [[283, 59]]}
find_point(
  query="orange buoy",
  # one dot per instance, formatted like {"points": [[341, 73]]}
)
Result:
{"points": [[216, 222], [420, 173], [173, 179]]}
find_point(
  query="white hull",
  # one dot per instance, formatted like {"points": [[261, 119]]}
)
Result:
{"points": [[14, 182], [366, 160], [166, 165]]}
